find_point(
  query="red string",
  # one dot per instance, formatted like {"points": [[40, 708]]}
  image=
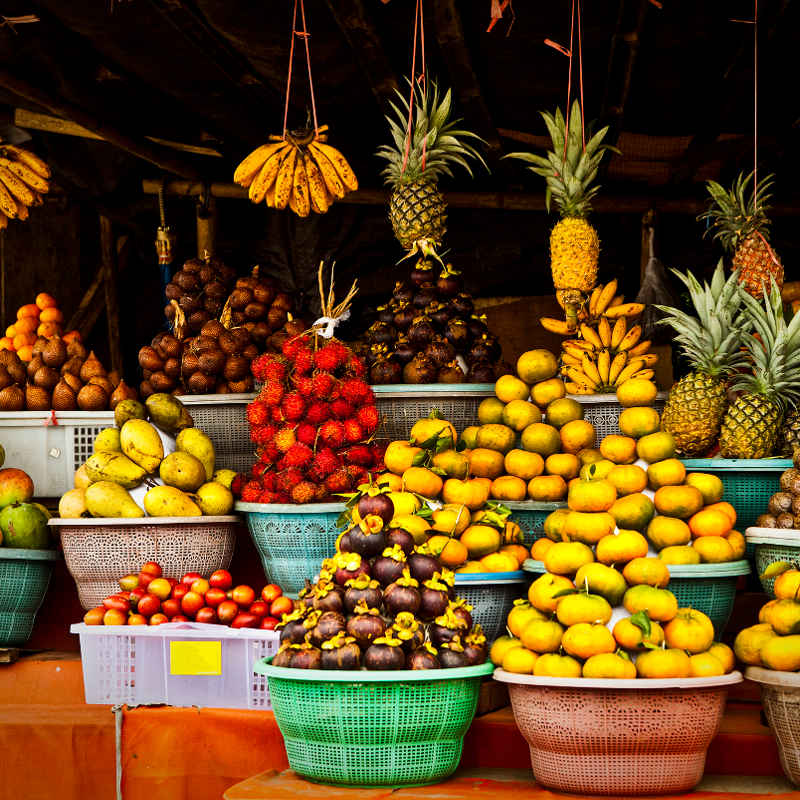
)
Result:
{"points": [[568, 53], [305, 35], [419, 25], [755, 108], [569, 79], [580, 72]]}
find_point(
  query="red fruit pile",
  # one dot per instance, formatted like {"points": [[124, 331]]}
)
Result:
{"points": [[151, 599], [312, 424]]}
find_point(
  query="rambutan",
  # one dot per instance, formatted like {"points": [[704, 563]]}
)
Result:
{"points": [[251, 492], [291, 347], [304, 385], [271, 393], [268, 453], [325, 462], [318, 412], [283, 498], [303, 361], [237, 483], [293, 406], [331, 356], [353, 432], [322, 494], [258, 366], [358, 475], [306, 433], [339, 481], [261, 434], [284, 439], [277, 414], [355, 390], [275, 370], [304, 492], [332, 433], [257, 412], [341, 409], [368, 418], [287, 479], [322, 385], [361, 455], [259, 468], [269, 481], [298, 455], [355, 367], [268, 496]]}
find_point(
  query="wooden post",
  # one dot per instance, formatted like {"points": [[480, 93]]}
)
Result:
{"points": [[206, 226], [648, 223], [109, 259]]}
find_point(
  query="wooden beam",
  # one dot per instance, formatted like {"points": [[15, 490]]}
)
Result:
{"points": [[206, 214], [368, 50], [450, 35], [61, 108], [109, 258]]}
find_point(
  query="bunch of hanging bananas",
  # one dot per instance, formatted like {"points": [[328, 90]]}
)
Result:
{"points": [[299, 170], [602, 302], [23, 181]]}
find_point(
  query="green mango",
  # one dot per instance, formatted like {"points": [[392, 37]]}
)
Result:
{"points": [[128, 409], [168, 413], [183, 471], [167, 501]]}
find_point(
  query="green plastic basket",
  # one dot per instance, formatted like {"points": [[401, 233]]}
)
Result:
{"points": [[24, 576], [773, 544], [366, 728], [492, 596], [292, 540], [536, 568], [530, 516]]}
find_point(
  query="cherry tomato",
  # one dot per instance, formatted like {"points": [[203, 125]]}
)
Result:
{"points": [[227, 611], [243, 595], [158, 619], [152, 568], [201, 586], [115, 617], [206, 614], [94, 616], [148, 605], [145, 578], [137, 619], [259, 608], [221, 579], [268, 623], [118, 603], [171, 607], [271, 592], [191, 603], [215, 596], [180, 618], [280, 606], [190, 577], [129, 582], [160, 588], [179, 591], [244, 620]]}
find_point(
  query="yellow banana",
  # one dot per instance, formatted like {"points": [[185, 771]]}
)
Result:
{"points": [[647, 374], [570, 360], [554, 325], [252, 165], [625, 310], [631, 337], [575, 352], [604, 331], [590, 368], [29, 177], [606, 295], [580, 378], [269, 197], [617, 365], [649, 359], [8, 205], [580, 344], [641, 348], [17, 187], [590, 334], [618, 333], [300, 190], [29, 159], [22, 210], [283, 183], [316, 186], [617, 301], [340, 164], [3, 221], [593, 298], [574, 388], [604, 365], [267, 174], [329, 174], [632, 367]]}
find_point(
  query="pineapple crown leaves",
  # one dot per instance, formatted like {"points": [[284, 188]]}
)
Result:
{"points": [[711, 340], [737, 213], [444, 142], [569, 177]]}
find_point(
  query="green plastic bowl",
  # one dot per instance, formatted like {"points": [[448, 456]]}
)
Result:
{"points": [[24, 577], [770, 545], [492, 596], [367, 728]]}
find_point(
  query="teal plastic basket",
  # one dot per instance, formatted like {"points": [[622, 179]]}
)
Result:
{"points": [[770, 545], [367, 728], [530, 516], [491, 595], [24, 577], [292, 540], [534, 567]]}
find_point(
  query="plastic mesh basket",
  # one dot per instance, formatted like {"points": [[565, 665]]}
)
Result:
{"points": [[772, 544], [401, 405], [363, 728], [99, 551], [530, 516], [603, 411], [491, 595], [292, 540], [24, 577], [780, 696]]}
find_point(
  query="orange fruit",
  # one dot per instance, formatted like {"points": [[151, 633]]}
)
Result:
{"points": [[521, 615], [500, 647], [480, 540], [705, 665], [713, 549], [519, 552], [749, 641], [421, 480], [619, 548], [48, 330], [656, 447], [26, 325], [499, 562], [668, 532], [631, 636], [710, 522], [639, 421], [564, 464], [541, 592], [486, 463], [22, 339], [782, 653], [690, 630], [738, 544], [30, 310], [542, 635], [25, 353], [672, 663], [508, 487], [609, 666], [523, 464], [678, 501], [619, 449], [633, 511], [451, 552], [591, 495], [724, 654], [646, 571], [547, 488], [710, 486], [627, 479], [587, 527], [669, 472], [554, 524], [725, 508], [585, 640], [566, 558], [552, 665], [44, 300], [71, 336], [11, 331], [540, 547], [519, 660], [577, 435], [636, 392], [6, 343]]}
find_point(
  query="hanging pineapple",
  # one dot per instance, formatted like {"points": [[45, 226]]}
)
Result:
{"points": [[570, 173], [417, 209], [739, 220]]}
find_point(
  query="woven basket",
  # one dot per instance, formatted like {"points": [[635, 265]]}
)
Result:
{"points": [[618, 737], [780, 696], [530, 516], [492, 596], [772, 544], [603, 411], [24, 577], [99, 552], [292, 540], [367, 728]]}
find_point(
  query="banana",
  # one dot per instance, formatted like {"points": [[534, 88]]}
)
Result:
{"points": [[618, 333], [581, 379], [329, 174], [554, 325], [590, 334], [340, 164], [575, 352], [625, 310], [22, 210], [590, 368], [16, 187], [604, 365], [649, 359], [631, 337], [29, 159], [300, 189], [580, 344], [570, 360], [606, 296], [641, 348], [283, 183], [28, 176], [269, 197], [631, 368], [8, 205], [316, 186], [604, 331], [3, 221], [617, 365], [252, 165], [593, 298], [574, 388], [647, 374], [616, 301], [266, 176]]}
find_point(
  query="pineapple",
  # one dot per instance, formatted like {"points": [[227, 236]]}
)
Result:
{"points": [[711, 343], [791, 434], [739, 220], [417, 209], [752, 422], [574, 244]]}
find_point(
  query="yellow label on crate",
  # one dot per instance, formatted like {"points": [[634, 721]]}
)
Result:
{"points": [[195, 658]]}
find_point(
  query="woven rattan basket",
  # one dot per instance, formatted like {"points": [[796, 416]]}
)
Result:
{"points": [[98, 552]]}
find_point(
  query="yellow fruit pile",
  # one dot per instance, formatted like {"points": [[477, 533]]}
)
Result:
{"points": [[633, 495], [774, 642]]}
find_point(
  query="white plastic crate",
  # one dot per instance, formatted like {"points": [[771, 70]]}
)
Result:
{"points": [[144, 665], [603, 411]]}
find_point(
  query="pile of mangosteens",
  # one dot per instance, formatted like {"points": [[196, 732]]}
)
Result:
{"points": [[381, 602], [429, 333]]}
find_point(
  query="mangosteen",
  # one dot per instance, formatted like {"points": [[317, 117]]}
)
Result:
{"points": [[422, 272], [449, 282], [402, 595], [349, 565], [403, 350], [381, 333], [362, 589], [408, 630], [385, 314], [481, 372], [424, 657], [328, 625], [343, 545], [283, 657], [365, 625], [463, 610], [421, 332], [480, 350], [452, 655], [402, 292], [435, 598], [376, 501], [291, 627], [389, 566], [341, 652], [385, 371], [440, 351], [422, 564], [446, 627], [439, 314], [368, 538], [477, 325], [462, 305], [475, 647], [328, 597], [420, 370], [451, 373], [305, 656], [402, 539], [424, 297], [404, 316], [385, 653], [457, 333]]}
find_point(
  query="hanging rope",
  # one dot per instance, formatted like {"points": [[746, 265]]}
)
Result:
{"points": [[496, 12], [419, 28], [305, 36]]}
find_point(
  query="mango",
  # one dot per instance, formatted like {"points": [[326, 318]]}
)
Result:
{"points": [[16, 486], [24, 525], [109, 499], [142, 444], [214, 499], [194, 442], [167, 501], [82, 479], [72, 504], [168, 413], [128, 409], [183, 471], [115, 467], [2, 455], [224, 476], [107, 441]]}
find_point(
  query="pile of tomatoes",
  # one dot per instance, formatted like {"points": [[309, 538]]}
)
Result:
{"points": [[149, 598]]}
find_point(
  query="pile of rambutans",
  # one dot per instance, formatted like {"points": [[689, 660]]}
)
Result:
{"points": [[312, 423]]}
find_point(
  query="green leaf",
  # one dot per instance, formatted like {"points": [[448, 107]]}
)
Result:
{"points": [[642, 621], [564, 593]]}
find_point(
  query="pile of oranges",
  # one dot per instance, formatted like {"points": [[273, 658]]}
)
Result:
{"points": [[43, 319]]}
